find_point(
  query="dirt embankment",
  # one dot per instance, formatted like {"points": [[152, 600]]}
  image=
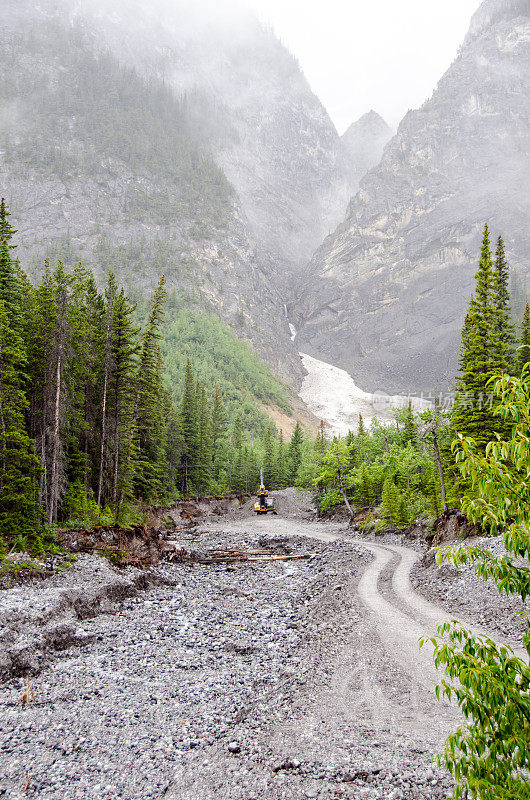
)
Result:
{"points": [[101, 566]]}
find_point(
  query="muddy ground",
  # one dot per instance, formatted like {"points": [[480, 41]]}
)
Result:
{"points": [[234, 681]]}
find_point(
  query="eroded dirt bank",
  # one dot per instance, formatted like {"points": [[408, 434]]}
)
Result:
{"points": [[274, 679]]}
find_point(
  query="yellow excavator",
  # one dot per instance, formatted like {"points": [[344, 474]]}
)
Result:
{"points": [[264, 503]]}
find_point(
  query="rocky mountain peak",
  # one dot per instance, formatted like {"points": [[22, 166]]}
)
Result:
{"points": [[491, 11], [389, 289], [364, 142]]}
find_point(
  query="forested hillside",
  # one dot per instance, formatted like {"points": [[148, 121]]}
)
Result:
{"points": [[392, 475], [112, 167], [93, 425]]}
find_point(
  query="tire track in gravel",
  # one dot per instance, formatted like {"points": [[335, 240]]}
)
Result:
{"points": [[422, 611], [399, 631]]}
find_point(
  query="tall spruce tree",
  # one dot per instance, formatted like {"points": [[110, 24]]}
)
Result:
{"points": [[6, 229], [121, 369], [218, 421], [294, 454], [85, 320], [410, 429], [523, 351], [281, 460], [190, 433], [321, 440], [19, 465], [270, 466], [236, 457], [472, 413], [10, 288], [503, 338], [58, 396], [150, 452], [110, 296], [205, 443]]}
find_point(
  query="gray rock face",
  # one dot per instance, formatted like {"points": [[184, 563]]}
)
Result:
{"points": [[72, 197], [249, 110], [269, 132], [389, 289], [365, 141]]}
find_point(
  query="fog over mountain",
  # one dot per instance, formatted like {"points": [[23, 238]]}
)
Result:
{"points": [[183, 138], [253, 174], [387, 292], [365, 141]]}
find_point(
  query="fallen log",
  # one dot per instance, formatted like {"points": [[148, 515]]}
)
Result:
{"points": [[231, 556]]}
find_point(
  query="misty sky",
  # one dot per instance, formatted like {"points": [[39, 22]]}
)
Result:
{"points": [[363, 54]]}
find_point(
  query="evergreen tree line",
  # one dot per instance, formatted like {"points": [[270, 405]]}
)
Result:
{"points": [[489, 346], [408, 469], [218, 455], [85, 421], [88, 430]]}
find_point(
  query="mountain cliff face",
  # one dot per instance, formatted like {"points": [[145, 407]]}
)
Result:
{"points": [[268, 131], [390, 287], [365, 141], [155, 137]]}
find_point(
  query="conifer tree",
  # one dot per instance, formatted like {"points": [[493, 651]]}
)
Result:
{"points": [[390, 501], [85, 322], [205, 443], [150, 450], [360, 430], [294, 456], [6, 229], [410, 431], [281, 462], [472, 414], [19, 466], [121, 368], [503, 339], [218, 421], [10, 288], [189, 429], [236, 458], [110, 296], [523, 351], [270, 469], [321, 441], [57, 414]]}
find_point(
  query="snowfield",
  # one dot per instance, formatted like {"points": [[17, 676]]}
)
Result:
{"points": [[331, 394]]}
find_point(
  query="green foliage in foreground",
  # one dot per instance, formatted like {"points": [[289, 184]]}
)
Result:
{"points": [[489, 755]]}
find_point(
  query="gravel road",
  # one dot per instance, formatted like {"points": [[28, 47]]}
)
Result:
{"points": [[287, 679]]}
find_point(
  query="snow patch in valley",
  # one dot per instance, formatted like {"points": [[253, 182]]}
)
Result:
{"points": [[331, 394]]}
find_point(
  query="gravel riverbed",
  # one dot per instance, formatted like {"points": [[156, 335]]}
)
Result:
{"points": [[216, 682], [470, 598]]}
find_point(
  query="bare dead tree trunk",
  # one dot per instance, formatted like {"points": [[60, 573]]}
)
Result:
{"points": [[54, 478], [103, 447], [348, 506], [43, 483], [440, 469], [116, 454]]}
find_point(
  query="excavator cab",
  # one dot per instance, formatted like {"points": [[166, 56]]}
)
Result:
{"points": [[264, 503]]}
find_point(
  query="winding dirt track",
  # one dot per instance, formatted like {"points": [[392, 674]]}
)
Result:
{"points": [[367, 704]]}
